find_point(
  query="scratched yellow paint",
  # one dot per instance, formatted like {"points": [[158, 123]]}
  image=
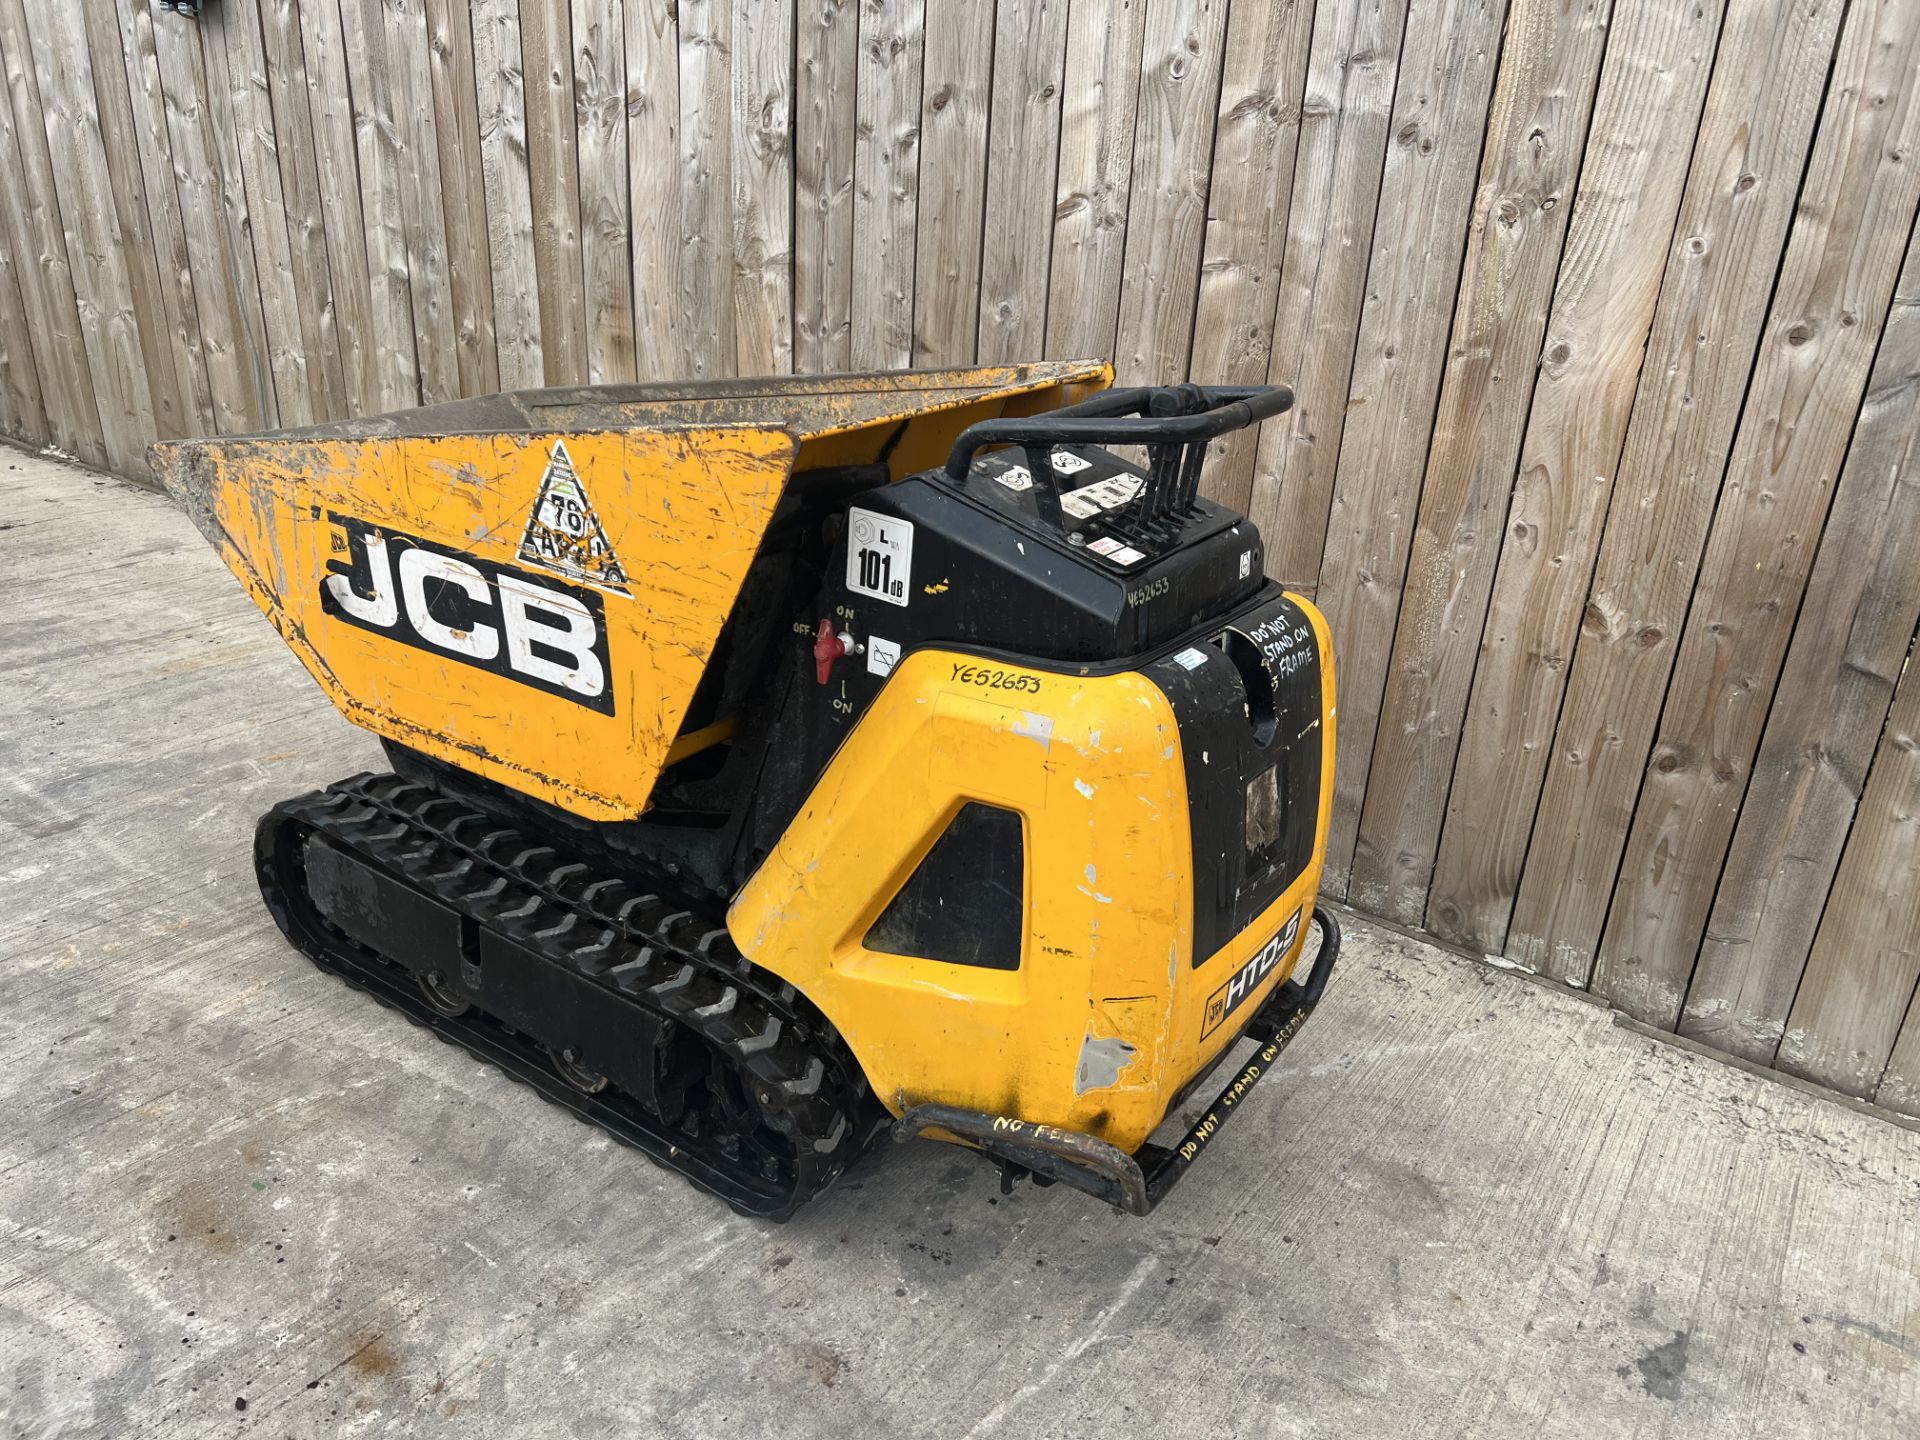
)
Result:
{"points": [[682, 479], [682, 510], [1092, 765]]}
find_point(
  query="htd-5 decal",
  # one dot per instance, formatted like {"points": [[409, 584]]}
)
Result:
{"points": [[540, 632], [1224, 1001]]}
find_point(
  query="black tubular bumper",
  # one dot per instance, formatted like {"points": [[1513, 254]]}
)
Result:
{"points": [[1137, 1183]]}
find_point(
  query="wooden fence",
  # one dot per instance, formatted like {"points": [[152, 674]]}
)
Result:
{"points": [[1604, 317]]}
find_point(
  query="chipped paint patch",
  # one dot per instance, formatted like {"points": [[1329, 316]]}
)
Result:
{"points": [[1038, 728], [1084, 788], [1102, 1058]]}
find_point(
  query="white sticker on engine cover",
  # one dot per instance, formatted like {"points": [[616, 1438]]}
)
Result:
{"points": [[1110, 494], [1016, 477], [879, 555], [1190, 659], [1067, 463], [1117, 551]]}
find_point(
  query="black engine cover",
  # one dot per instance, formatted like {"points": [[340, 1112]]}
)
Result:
{"points": [[985, 570]]}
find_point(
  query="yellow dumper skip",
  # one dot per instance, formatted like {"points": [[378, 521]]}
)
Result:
{"points": [[669, 486]]}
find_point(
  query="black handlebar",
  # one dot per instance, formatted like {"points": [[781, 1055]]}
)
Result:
{"points": [[1174, 423], [1142, 415]]}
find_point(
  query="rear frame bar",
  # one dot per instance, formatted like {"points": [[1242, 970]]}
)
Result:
{"points": [[1137, 1183]]}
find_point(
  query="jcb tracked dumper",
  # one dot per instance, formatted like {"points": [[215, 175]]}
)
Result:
{"points": [[775, 757]]}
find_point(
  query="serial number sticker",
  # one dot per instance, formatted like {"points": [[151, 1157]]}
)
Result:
{"points": [[1016, 477], [991, 677], [1190, 659], [1068, 463], [879, 555], [1101, 496]]}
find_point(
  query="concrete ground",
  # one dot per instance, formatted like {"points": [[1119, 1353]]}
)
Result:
{"points": [[237, 1198]]}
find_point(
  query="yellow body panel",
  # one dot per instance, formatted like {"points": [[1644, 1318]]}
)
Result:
{"points": [[1092, 765], [682, 481]]}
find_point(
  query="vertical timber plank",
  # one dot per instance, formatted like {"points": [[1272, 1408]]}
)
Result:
{"points": [[1536, 137], [141, 61], [302, 189], [23, 411], [377, 136], [236, 62], [239, 385], [1182, 58], [281, 365], [500, 88], [826, 68], [554, 179], [1023, 147], [1860, 977], [1255, 137], [600, 99], [1097, 123], [1899, 1087], [1336, 186], [172, 416], [456, 130], [39, 246], [1830, 302], [886, 180], [953, 181], [1633, 182], [653, 184], [322, 42], [96, 241], [1426, 190], [706, 180], [422, 204], [1849, 643], [761, 139]]}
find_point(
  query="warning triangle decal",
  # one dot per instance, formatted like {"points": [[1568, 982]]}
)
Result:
{"points": [[563, 534]]}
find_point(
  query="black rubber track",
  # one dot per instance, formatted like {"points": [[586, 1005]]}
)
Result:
{"points": [[647, 949]]}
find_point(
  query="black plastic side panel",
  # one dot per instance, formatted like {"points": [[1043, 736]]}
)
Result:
{"points": [[382, 914], [1249, 706], [620, 1042]]}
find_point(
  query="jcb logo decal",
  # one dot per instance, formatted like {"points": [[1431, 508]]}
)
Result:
{"points": [[1244, 981], [540, 632]]}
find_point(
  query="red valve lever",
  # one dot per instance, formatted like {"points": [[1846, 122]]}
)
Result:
{"points": [[827, 648]]}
